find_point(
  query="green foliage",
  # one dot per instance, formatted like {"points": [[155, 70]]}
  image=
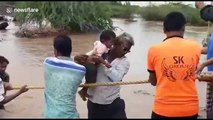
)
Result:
{"points": [[71, 16], [123, 11], [157, 13]]}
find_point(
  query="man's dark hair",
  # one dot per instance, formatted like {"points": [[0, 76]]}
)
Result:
{"points": [[174, 21], [3, 59], [206, 13], [107, 35], [63, 44]]}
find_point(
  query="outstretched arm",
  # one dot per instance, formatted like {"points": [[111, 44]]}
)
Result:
{"points": [[203, 65], [8, 98]]}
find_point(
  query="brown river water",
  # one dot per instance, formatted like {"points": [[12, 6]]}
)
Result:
{"points": [[26, 58]]}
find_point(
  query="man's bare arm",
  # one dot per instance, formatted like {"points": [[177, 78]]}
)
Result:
{"points": [[152, 78], [204, 50]]}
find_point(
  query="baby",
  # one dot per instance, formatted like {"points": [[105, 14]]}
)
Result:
{"points": [[101, 48]]}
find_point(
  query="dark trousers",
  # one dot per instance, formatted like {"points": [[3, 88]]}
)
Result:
{"points": [[157, 116], [114, 110]]}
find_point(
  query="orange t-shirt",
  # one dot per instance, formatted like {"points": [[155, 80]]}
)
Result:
{"points": [[174, 61]]}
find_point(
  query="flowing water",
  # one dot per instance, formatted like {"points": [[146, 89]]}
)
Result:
{"points": [[26, 58]]}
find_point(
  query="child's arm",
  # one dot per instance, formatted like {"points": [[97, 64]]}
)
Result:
{"points": [[105, 63], [98, 59]]}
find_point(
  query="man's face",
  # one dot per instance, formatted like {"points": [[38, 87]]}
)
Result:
{"points": [[121, 48], [3, 67]]}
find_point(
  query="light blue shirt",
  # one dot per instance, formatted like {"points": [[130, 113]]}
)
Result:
{"points": [[62, 79], [107, 94]]}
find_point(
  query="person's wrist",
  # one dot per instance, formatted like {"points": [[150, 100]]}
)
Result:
{"points": [[204, 64], [19, 92]]}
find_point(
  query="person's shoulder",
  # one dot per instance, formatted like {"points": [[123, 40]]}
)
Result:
{"points": [[6, 74], [64, 63], [124, 59], [192, 41], [156, 46]]}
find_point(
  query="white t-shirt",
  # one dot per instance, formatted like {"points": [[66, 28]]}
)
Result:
{"points": [[1, 90], [99, 49]]}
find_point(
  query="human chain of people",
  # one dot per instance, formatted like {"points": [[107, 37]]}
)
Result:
{"points": [[172, 67]]}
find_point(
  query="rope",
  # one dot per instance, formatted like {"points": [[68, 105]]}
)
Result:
{"points": [[205, 76], [113, 83], [29, 87], [95, 84]]}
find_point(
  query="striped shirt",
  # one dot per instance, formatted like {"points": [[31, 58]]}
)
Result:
{"points": [[62, 79]]}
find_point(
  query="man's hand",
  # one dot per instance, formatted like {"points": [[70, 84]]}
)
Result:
{"points": [[199, 69], [107, 65], [83, 94], [24, 89]]}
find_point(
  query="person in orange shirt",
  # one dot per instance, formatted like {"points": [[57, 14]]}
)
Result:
{"points": [[171, 67]]}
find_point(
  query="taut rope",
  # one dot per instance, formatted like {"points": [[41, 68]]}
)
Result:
{"points": [[113, 83], [205, 76], [96, 84]]}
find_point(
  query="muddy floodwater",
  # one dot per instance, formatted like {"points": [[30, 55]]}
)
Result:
{"points": [[26, 58]]}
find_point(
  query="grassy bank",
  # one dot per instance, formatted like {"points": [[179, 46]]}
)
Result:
{"points": [[157, 13], [123, 11]]}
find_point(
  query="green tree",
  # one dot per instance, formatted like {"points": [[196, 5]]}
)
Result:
{"points": [[71, 16]]}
